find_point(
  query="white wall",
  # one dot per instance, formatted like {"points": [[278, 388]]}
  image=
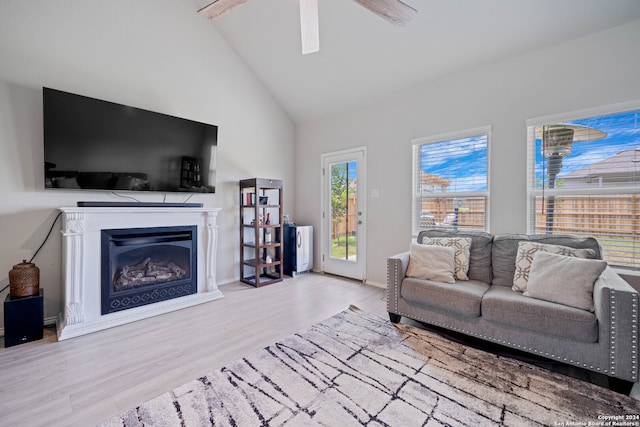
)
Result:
{"points": [[153, 54], [593, 71]]}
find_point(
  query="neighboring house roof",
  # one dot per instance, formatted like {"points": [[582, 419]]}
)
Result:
{"points": [[623, 164]]}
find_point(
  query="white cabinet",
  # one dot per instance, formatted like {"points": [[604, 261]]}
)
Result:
{"points": [[298, 249]]}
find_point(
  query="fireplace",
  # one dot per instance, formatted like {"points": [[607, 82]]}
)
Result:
{"points": [[147, 265], [175, 240]]}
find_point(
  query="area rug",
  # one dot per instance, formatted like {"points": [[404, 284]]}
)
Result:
{"points": [[357, 369]]}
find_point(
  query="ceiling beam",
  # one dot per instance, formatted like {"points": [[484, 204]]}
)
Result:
{"points": [[394, 11], [219, 8]]}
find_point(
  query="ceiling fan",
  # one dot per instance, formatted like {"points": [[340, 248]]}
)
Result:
{"points": [[394, 11]]}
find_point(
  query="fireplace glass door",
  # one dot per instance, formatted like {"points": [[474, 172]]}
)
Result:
{"points": [[146, 265]]}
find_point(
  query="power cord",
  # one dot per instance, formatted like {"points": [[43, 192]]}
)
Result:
{"points": [[122, 196], [43, 242]]}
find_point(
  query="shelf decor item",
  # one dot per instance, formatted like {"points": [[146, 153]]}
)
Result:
{"points": [[261, 231]]}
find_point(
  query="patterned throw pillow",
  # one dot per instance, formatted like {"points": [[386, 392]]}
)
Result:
{"points": [[462, 246], [524, 259]]}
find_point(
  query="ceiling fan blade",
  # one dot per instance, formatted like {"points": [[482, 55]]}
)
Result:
{"points": [[219, 8], [309, 27], [394, 11]]}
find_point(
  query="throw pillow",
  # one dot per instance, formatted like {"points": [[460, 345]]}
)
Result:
{"points": [[462, 246], [565, 280], [431, 263], [526, 252]]}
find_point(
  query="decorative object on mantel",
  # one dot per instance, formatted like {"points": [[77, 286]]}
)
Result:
{"points": [[393, 11], [24, 280], [359, 369]]}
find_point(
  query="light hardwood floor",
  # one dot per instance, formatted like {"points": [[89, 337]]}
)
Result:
{"points": [[84, 380]]}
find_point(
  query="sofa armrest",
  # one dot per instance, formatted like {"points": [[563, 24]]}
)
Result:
{"points": [[616, 307], [396, 271]]}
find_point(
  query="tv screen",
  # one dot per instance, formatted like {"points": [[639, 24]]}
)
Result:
{"points": [[100, 145]]}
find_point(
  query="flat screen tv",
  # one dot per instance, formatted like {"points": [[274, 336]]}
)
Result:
{"points": [[99, 145]]}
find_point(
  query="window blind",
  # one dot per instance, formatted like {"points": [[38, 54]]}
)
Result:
{"points": [[589, 183], [450, 181]]}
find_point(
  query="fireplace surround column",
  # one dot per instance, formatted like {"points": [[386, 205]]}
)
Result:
{"points": [[212, 250], [72, 238]]}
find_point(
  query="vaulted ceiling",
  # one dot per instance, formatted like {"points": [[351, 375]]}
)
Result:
{"points": [[364, 58]]}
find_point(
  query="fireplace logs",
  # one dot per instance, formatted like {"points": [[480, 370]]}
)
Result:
{"points": [[147, 273]]}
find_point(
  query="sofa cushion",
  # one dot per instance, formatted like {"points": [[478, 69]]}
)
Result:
{"points": [[480, 251], [564, 279], [463, 297], [505, 249], [526, 252], [503, 306], [462, 246], [432, 263]]}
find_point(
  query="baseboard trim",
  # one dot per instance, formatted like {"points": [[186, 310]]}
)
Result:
{"points": [[376, 284], [227, 281]]}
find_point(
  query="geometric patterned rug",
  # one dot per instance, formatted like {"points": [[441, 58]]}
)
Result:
{"points": [[357, 369]]}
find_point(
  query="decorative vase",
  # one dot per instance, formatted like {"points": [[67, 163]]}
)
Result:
{"points": [[24, 280]]}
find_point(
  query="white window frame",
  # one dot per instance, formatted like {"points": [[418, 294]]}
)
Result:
{"points": [[532, 192], [415, 187]]}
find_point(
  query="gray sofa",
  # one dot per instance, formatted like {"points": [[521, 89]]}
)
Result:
{"points": [[486, 307]]}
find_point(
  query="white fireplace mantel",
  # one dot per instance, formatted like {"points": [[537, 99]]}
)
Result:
{"points": [[81, 269]]}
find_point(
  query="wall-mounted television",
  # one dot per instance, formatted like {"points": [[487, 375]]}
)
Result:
{"points": [[100, 145]]}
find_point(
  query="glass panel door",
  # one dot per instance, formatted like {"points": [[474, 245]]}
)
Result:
{"points": [[344, 216]]}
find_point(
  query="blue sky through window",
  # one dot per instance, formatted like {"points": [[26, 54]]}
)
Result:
{"points": [[461, 161], [623, 133]]}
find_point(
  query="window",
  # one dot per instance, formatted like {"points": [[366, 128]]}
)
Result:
{"points": [[584, 180], [450, 181]]}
